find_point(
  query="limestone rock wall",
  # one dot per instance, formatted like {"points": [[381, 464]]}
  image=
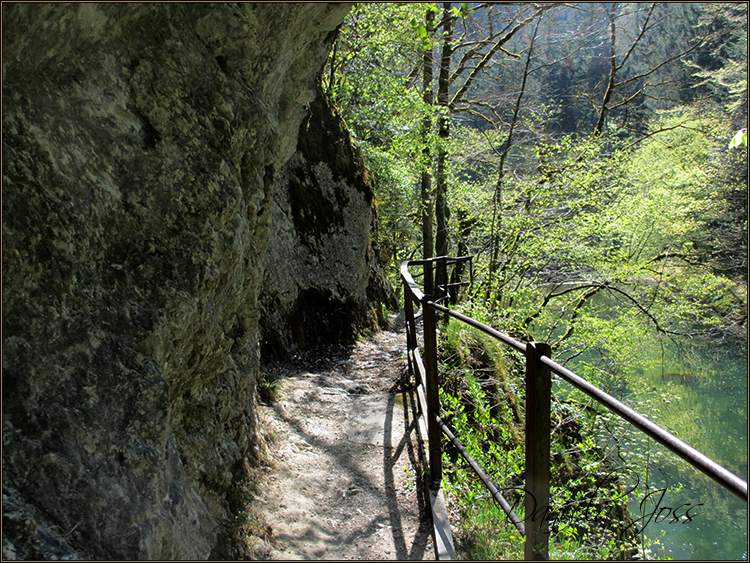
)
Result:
{"points": [[322, 282], [140, 145]]}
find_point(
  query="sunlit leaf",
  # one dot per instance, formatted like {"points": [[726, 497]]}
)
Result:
{"points": [[740, 138]]}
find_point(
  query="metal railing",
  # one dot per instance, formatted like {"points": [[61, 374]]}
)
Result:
{"points": [[539, 367]]}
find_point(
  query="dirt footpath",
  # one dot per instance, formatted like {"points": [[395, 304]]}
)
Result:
{"points": [[343, 455]]}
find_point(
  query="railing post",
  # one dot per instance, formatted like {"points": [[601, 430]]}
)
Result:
{"points": [[538, 403], [434, 433], [441, 278], [411, 334]]}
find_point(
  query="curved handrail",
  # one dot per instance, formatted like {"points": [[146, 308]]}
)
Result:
{"points": [[407, 277], [417, 294], [700, 461]]}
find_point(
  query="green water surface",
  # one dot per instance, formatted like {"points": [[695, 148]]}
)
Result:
{"points": [[707, 408]]}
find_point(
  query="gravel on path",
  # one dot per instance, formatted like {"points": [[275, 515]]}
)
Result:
{"points": [[343, 472]]}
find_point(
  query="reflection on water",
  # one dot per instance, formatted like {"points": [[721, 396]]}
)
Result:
{"points": [[707, 409], [698, 392]]}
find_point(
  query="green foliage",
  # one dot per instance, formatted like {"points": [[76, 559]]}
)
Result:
{"points": [[484, 415], [371, 76], [740, 138], [600, 245], [609, 247], [374, 77], [269, 386], [486, 533], [396, 232]]}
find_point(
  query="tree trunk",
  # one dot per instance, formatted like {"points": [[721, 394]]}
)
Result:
{"points": [[442, 212], [441, 189], [426, 183], [612, 72]]}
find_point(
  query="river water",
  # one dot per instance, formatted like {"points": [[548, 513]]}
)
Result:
{"points": [[699, 394], [695, 518], [698, 391]]}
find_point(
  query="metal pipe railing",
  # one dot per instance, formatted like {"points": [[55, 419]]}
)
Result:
{"points": [[539, 365], [504, 338], [489, 485], [703, 463]]}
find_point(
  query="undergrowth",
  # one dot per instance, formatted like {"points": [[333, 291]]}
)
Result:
{"points": [[482, 391], [269, 386]]}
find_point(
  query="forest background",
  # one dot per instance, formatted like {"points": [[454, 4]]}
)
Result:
{"points": [[590, 157]]}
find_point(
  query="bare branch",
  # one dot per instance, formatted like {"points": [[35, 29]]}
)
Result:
{"points": [[640, 307], [612, 72], [576, 310], [637, 40], [457, 98], [662, 130]]}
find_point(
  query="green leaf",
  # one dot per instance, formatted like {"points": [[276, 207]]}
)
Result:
{"points": [[740, 137]]}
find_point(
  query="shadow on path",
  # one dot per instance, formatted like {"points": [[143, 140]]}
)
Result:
{"points": [[343, 493]]}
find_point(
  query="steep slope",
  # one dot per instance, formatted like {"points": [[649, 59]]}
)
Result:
{"points": [[140, 146]]}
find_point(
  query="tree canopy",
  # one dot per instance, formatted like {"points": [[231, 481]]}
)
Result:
{"points": [[584, 143], [592, 157]]}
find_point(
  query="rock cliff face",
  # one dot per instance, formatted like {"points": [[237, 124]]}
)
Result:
{"points": [[321, 274], [140, 147]]}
